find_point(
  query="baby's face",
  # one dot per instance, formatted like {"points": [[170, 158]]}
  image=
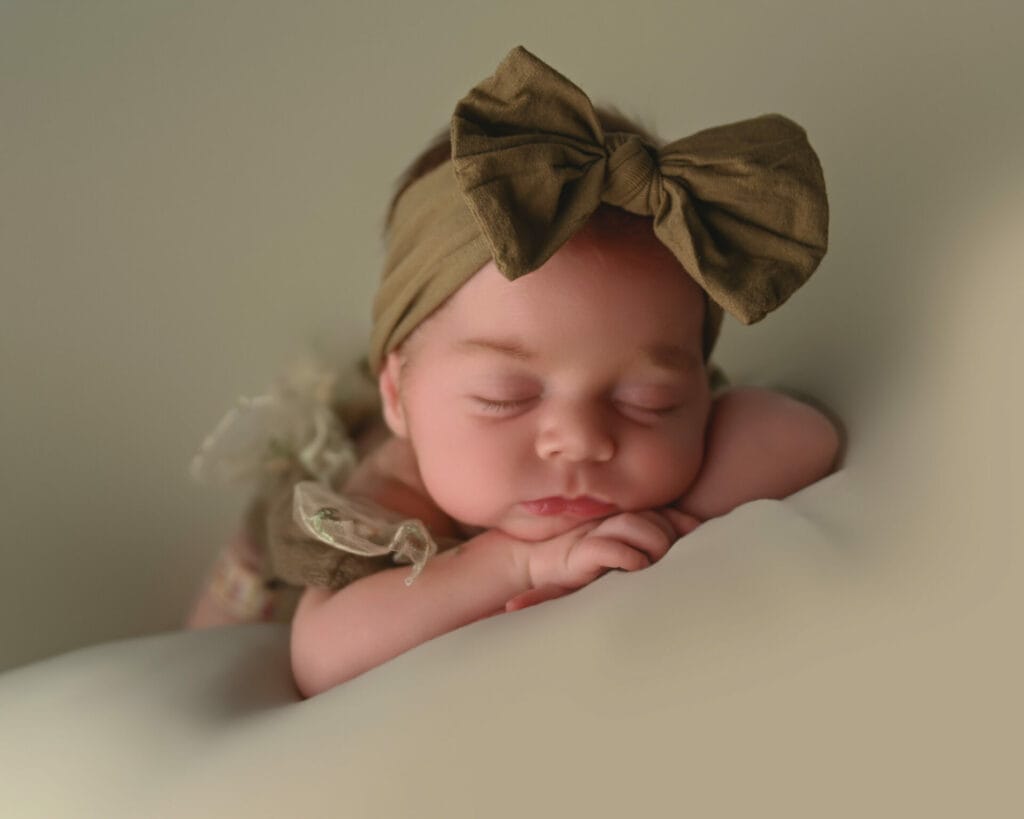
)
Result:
{"points": [[574, 392]]}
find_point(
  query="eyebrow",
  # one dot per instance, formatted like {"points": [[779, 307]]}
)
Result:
{"points": [[509, 347], [671, 357]]}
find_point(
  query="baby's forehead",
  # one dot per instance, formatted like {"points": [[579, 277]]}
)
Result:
{"points": [[591, 288], [596, 260]]}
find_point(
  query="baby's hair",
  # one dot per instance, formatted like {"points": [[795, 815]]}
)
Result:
{"points": [[607, 219]]}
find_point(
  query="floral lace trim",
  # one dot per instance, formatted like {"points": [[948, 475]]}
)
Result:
{"points": [[239, 590]]}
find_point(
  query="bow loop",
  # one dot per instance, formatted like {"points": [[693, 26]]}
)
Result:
{"points": [[528, 153]]}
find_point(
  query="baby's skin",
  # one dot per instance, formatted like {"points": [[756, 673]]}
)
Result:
{"points": [[564, 426]]}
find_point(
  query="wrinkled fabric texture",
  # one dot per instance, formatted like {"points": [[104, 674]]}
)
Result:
{"points": [[741, 206]]}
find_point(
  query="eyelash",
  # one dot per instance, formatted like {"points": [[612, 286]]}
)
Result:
{"points": [[500, 406], [651, 410]]}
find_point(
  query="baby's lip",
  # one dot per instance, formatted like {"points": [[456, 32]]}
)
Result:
{"points": [[583, 506]]}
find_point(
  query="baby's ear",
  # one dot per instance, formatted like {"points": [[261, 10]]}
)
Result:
{"points": [[390, 393]]}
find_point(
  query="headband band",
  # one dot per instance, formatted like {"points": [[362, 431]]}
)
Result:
{"points": [[741, 206]]}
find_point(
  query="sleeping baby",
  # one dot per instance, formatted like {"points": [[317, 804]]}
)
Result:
{"points": [[554, 285]]}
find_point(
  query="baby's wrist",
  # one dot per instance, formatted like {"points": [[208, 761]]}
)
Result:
{"points": [[511, 554], [519, 554]]}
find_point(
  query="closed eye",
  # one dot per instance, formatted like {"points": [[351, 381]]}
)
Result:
{"points": [[490, 405], [648, 410]]}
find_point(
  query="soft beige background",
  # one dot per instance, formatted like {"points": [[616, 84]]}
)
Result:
{"points": [[192, 193]]}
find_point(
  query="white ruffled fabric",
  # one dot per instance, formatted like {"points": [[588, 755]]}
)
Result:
{"points": [[266, 435], [294, 423]]}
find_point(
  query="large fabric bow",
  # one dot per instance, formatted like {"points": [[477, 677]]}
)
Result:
{"points": [[742, 206]]}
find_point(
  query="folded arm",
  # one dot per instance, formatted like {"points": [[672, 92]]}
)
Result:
{"points": [[337, 635], [760, 444]]}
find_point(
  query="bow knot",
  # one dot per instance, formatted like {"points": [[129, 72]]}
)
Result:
{"points": [[633, 179]]}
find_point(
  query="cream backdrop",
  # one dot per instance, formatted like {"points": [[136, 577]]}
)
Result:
{"points": [[191, 195]]}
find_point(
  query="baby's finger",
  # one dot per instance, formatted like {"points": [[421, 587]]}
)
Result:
{"points": [[645, 531], [658, 517], [535, 596], [596, 554], [682, 522]]}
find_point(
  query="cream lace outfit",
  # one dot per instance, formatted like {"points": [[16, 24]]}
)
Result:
{"points": [[298, 444]]}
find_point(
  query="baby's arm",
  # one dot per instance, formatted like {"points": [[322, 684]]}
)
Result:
{"points": [[760, 444], [337, 635]]}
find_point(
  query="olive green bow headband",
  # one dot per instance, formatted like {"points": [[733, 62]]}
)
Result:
{"points": [[742, 206]]}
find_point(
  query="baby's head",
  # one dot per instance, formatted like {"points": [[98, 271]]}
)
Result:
{"points": [[554, 284], [584, 379]]}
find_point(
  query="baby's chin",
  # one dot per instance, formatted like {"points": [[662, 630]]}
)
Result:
{"points": [[534, 528], [537, 528]]}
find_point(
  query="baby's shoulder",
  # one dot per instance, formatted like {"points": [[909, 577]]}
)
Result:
{"points": [[389, 476]]}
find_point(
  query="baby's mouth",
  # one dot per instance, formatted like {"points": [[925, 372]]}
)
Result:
{"points": [[581, 507]]}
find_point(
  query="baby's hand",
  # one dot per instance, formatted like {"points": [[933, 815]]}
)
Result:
{"points": [[682, 522], [627, 541]]}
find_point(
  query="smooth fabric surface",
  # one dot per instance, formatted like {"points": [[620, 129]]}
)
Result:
{"points": [[852, 651]]}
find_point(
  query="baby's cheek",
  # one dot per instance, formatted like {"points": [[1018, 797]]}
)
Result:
{"points": [[665, 471], [463, 479]]}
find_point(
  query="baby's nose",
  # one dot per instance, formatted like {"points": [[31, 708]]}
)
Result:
{"points": [[575, 433]]}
